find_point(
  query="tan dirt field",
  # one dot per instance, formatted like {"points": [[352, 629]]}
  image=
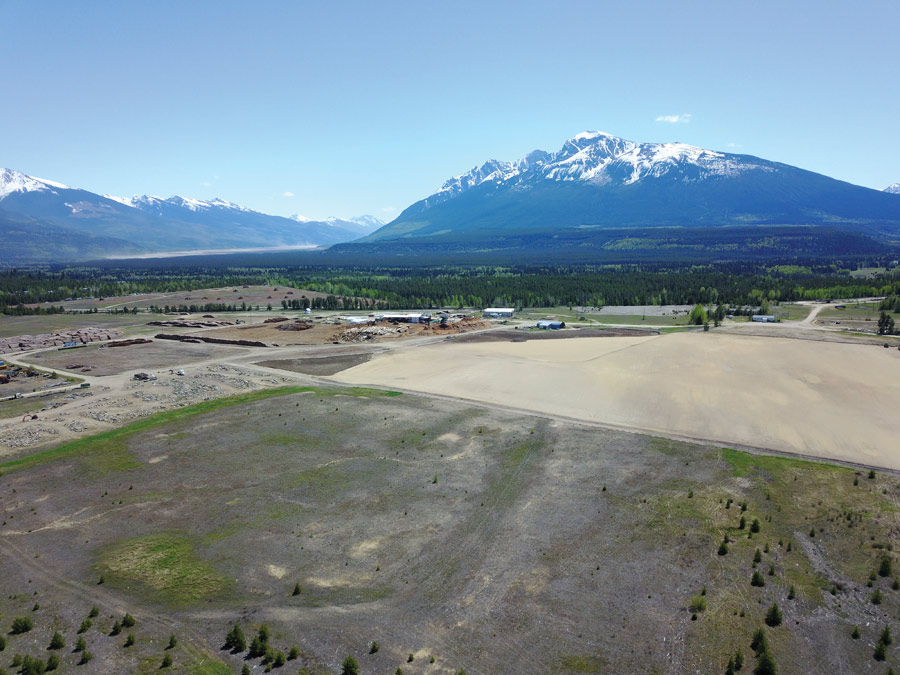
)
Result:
{"points": [[829, 400]]}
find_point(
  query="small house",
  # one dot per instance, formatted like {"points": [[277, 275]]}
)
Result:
{"points": [[499, 312]]}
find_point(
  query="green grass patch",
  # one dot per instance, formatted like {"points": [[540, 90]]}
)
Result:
{"points": [[583, 664], [165, 563], [208, 668], [746, 463], [109, 452]]}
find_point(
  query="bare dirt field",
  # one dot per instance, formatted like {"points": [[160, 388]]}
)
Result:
{"points": [[318, 365], [526, 335], [464, 536], [251, 295], [158, 354], [823, 399]]}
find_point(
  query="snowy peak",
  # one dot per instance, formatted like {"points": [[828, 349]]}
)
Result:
{"points": [[153, 203], [599, 157], [893, 189], [364, 222], [15, 181]]}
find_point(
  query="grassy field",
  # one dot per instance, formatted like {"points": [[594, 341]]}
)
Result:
{"points": [[485, 540]]}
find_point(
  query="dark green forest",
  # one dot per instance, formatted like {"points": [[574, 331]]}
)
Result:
{"points": [[734, 283]]}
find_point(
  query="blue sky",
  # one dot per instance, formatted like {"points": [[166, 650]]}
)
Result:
{"points": [[343, 107]]}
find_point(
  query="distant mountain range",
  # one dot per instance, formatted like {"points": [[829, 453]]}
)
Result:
{"points": [[47, 220], [598, 181], [592, 200]]}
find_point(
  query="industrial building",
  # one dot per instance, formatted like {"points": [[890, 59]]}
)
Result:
{"points": [[763, 318], [499, 312], [551, 325]]}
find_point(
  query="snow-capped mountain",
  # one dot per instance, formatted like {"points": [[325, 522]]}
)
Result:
{"points": [[76, 223], [363, 222], [15, 181], [893, 189], [600, 180]]}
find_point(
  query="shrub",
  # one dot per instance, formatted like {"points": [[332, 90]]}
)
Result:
{"points": [[698, 603], [742, 523], [723, 549], [792, 593], [257, 648], [245, 670], [738, 659], [129, 641], [21, 625], [94, 613], [876, 597], [757, 580], [729, 669], [886, 636], [128, 621], [53, 662], [116, 628], [812, 532], [410, 658], [757, 557], [765, 665], [80, 645], [772, 570], [773, 616], [172, 641], [85, 626], [759, 643], [374, 648], [296, 590], [2, 643], [279, 659], [264, 633], [293, 653], [754, 526], [884, 569], [86, 657], [349, 666], [33, 666], [57, 641], [167, 661], [879, 652], [855, 633], [235, 640]]}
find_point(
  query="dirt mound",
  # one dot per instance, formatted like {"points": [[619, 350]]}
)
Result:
{"points": [[297, 325], [210, 340], [128, 343]]}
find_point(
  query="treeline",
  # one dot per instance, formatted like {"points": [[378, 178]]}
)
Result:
{"points": [[732, 283]]}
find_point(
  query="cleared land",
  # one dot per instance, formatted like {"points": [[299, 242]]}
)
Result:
{"points": [[104, 361], [815, 398], [488, 540]]}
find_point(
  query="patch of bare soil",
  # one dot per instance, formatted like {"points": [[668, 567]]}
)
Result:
{"points": [[527, 335], [322, 365], [158, 354]]}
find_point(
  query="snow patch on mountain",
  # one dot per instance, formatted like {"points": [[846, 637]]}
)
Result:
{"points": [[15, 181], [154, 203], [601, 158], [893, 189]]}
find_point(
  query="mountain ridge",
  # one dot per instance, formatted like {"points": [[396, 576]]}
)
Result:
{"points": [[108, 225], [598, 180]]}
